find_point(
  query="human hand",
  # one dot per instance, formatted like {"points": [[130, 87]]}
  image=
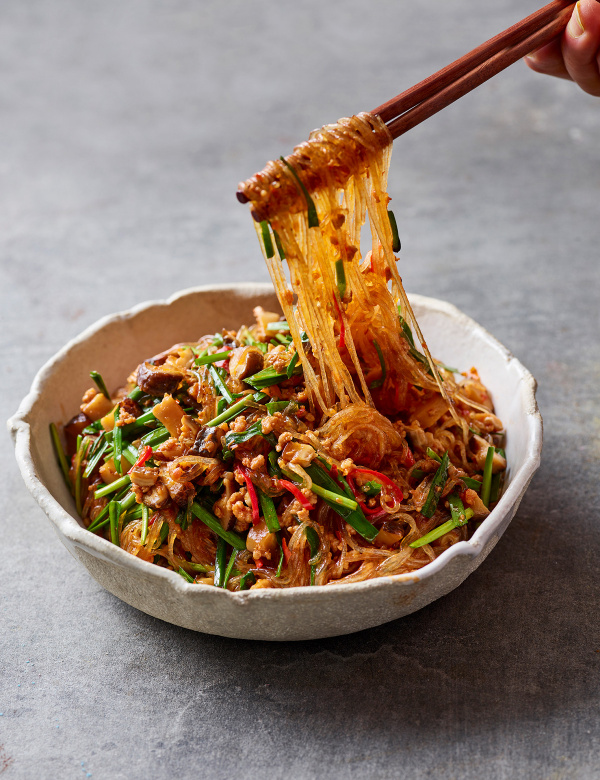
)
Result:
{"points": [[576, 54]]}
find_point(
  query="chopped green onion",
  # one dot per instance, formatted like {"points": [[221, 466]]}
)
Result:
{"points": [[217, 340], [486, 485], [277, 406], [211, 521], [145, 518], [497, 480], [185, 575], [114, 513], [204, 360], [100, 384], [232, 438], [229, 568], [164, 532], [340, 277], [437, 486], [396, 246], [60, 455], [234, 410], [266, 237], [313, 219], [269, 512], [219, 383], [112, 486], [379, 382], [353, 517], [247, 580]]}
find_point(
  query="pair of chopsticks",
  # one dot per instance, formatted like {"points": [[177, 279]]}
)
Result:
{"points": [[452, 82]]}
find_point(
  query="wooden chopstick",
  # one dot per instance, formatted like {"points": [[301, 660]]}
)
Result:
{"points": [[460, 77]]}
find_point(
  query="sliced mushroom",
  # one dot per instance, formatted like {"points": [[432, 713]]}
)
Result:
{"points": [[158, 380], [245, 361]]}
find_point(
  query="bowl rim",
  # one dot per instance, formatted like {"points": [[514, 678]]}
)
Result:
{"points": [[67, 525]]}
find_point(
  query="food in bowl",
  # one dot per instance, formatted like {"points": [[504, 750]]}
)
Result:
{"points": [[324, 447]]}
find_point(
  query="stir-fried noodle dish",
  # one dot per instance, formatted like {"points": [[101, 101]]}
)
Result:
{"points": [[321, 446]]}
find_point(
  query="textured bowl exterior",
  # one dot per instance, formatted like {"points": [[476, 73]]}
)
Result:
{"points": [[117, 343]]}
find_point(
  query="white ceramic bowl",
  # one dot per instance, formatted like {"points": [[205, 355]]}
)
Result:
{"points": [[116, 344]]}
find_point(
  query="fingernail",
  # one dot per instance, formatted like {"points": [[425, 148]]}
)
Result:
{"points": [[575, 27]]}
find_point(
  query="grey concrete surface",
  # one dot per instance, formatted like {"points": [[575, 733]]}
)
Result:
{"points": [[124, 129]]}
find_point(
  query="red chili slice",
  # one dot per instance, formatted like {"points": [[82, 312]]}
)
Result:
{"points": [[146, 455], [286, 550], [384, 480], [251, 492], [296, 492], [342, 343], [375, 513]]}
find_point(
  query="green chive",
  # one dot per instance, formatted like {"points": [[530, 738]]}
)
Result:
{"points": [[396, 246], [234, 410], [279, 245], [292, 365], [281, 559], [268, 377], [269, 512], [118, 442], [136, 393], [114, 513], [145, 518], [247, 580], [313, 219], [460, 516], [229, 569], [130, 453], [111, 487], [379, 382], [433, 455], [164, 532], [206, 359], [82, 450], [60, 455], [196, 567], [154, 438], [353, 517], [100, 383], [406, 328], [219, 383], [312, 537], [211, 521], [95, 456], [437, 486], [335, 498], [220, 563], [185, 575], [340, 277], [266, 237], [486, 485], [474, 484]]}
